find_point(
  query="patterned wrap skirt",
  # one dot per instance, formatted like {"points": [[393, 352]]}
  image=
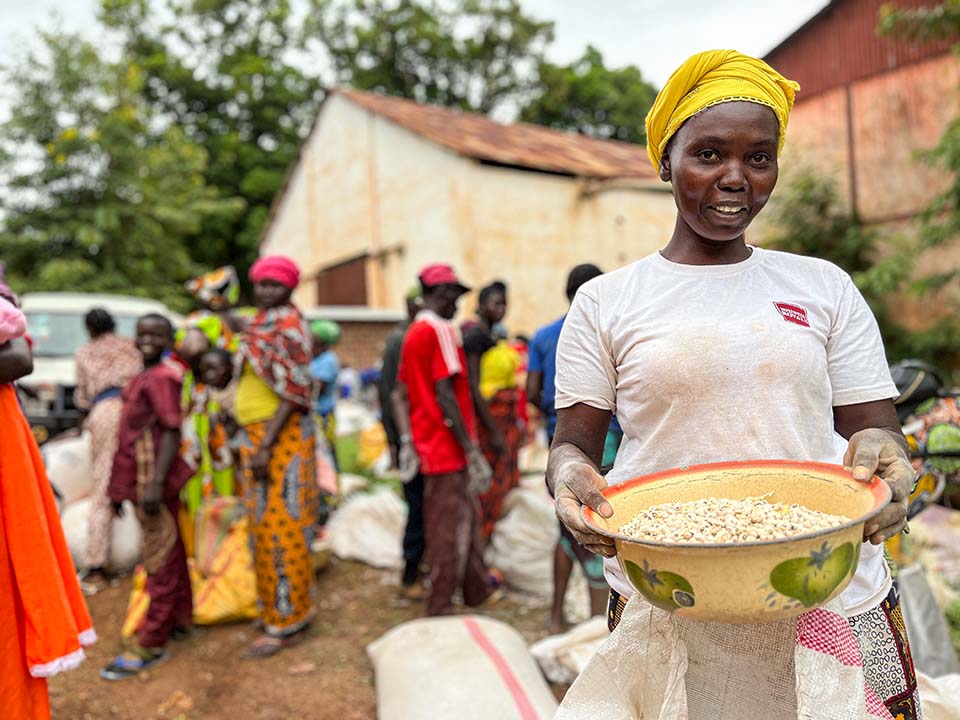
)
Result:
{"points": [[884, 647], [504, 408], [283, 518]]}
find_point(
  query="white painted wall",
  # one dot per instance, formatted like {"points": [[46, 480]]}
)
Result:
{"points": [[366, 185]]}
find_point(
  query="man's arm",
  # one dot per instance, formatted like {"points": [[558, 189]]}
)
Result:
{"points": [[497, 440], [447, 400], [535, 387], [401, 410]]}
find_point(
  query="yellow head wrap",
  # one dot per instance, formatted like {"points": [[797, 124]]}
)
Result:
{"points": [[710, 78]]}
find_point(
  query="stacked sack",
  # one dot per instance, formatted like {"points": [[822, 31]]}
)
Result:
{"points": [[69, 468]]}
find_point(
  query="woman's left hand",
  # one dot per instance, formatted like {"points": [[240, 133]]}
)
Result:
{"points": [[875, 452], [259, 464]]}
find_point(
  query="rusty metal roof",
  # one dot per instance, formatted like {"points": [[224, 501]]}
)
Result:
{"points": [[517, 145]]}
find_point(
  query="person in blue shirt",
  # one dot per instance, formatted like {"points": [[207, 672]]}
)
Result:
{"points": [[324, 369], [541, 391]]}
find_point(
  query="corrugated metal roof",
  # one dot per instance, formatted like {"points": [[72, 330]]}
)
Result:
{"points": [[518, 145], [840, 45]]}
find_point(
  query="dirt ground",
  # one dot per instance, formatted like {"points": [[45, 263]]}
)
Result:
{"points": [[327, 677]]}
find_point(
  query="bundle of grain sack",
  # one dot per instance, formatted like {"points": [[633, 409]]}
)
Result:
{"points": [[468, 667], [70, 471]]}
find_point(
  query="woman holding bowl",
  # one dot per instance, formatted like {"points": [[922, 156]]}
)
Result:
{"points": [[714, 350]]}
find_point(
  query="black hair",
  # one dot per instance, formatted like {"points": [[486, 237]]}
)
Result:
{"points": [[520, 337], [497, 286], [578, 276], [221, 353], [99, 321], [157, 317]]}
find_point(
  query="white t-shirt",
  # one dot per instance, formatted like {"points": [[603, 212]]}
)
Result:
{"points": [[715, 363]]}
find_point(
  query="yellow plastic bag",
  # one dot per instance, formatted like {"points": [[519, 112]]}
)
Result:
{"points": [[227, 594], [373, 444]]}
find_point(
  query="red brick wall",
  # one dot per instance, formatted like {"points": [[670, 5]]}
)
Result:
{"points": [[361, 343], [893, 116]]}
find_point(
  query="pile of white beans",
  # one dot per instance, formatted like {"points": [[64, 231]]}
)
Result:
{"points": [[720, 520]]}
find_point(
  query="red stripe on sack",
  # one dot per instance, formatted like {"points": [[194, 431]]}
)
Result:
{"points": [[524, 706]]}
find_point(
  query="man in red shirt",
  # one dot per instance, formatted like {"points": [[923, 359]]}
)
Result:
{"points": [[434, 413]]}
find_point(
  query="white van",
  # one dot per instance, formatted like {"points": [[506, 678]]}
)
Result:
{"points": [[55, 323]]}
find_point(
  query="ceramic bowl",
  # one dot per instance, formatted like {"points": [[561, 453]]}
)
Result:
{"points": [[751, 582]]}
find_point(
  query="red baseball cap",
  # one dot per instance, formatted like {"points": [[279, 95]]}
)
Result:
{"points": [[440, 274]]}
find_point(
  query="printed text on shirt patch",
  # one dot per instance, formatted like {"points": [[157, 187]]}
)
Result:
{"points": [[792, 313]]}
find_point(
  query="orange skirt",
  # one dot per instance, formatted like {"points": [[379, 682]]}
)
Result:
{"points": [[42, 610]]}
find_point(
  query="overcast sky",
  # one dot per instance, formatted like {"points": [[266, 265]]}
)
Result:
{"points": [[655, 35]]}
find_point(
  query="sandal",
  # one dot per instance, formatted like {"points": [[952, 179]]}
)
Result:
{"points": [[267, 646], [132, 663], [92, 582]]}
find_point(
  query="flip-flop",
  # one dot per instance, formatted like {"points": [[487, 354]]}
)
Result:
{"points": [[124, 666], [267, 646]]}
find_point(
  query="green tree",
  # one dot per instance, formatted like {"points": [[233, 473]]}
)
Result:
{"points": [[473, 55], [101, 194], [223, 71], [590, 98]]}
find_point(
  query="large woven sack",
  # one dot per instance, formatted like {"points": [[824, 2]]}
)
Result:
{"points": [[657, 666], [467, 667], [369, 528], [522, 548], [69, 466], [563, 657], [124, 536], [940, 696], [523, 541]]}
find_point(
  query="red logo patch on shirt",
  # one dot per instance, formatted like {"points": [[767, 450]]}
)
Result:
{"points": [[792, 313]]}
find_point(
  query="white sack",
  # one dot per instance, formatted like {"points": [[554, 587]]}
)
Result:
{"points": [[523, 540], [930, 643], [657, 666], [352, 417], [467, 667], [522, 547], [69, 466], [939, 697], [563, 657], [124, 536], [350, 484], [369, 528]]}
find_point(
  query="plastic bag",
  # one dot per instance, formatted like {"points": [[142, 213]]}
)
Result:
{"points": [[227, 592]]}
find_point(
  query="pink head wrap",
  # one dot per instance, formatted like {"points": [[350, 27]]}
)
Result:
{"points": [[276, 267], [13, 323]]}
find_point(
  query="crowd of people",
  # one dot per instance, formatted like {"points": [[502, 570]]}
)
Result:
{"points": [[641, 375]]}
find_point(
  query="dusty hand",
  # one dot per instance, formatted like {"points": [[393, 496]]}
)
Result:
{"points": [[152, 499], [875, 452], [478, 471], [408, 462], [259, 464], [577, 484]]}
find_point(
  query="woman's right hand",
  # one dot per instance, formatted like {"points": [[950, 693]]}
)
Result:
{"points": [[577, 483], [259, 464]]}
